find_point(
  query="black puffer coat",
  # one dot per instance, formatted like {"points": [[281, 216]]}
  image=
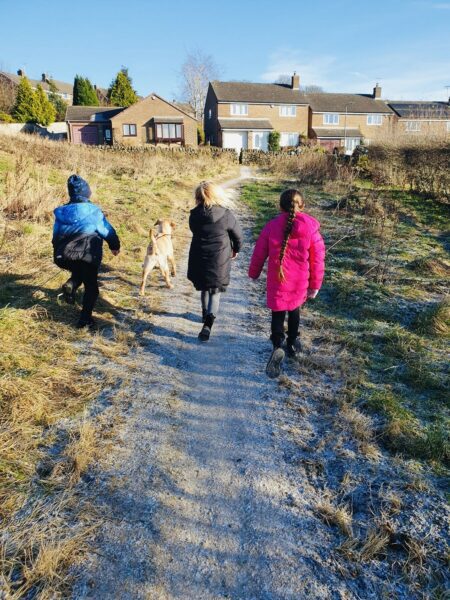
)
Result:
{"points": [[216, 234]]}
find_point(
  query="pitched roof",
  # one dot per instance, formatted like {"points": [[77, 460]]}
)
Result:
{"points": [[91, 113], [355, 103], [62, 86], [239, 91], [336, 132], [421, 109], [163, 100], [226, 123], [185, 107]]}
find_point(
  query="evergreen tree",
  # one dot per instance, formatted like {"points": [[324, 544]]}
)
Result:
{"points": [[83, 92], [121, 92], [59, 104], [24, 110], [45, 111]]}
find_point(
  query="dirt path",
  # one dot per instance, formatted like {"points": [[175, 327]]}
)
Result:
{"points": [[205, 495]]}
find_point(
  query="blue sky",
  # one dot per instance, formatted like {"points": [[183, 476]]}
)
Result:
{"points": [[342, 45]]}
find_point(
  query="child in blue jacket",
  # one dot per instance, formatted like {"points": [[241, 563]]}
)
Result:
{"points": [[78, 233]]}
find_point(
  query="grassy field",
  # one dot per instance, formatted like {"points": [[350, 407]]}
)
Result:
{"points": [[385, 299], [49, 372]]}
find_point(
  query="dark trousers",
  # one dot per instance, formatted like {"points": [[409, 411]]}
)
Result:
{"points": [[278, 318], [86, 274]]}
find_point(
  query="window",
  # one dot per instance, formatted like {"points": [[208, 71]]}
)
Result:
{"points": [[239, 109], [169, 132], [288, 111], [330, 119], [108, 135], [374, 119], [289, 139], [128, 130], [209, 113], [412, 125]]}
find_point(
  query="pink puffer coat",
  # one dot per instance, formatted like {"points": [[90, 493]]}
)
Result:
{"points": [[303, 263]]}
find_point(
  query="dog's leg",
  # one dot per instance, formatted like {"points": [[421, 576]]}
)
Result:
{"points": [[149, 264], [164, 267], [173, 265]]}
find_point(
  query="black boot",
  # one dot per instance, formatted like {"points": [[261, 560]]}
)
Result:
{"points": [[86, 322], [293, 348], [273, 367], [68, 291], [204, 334]]}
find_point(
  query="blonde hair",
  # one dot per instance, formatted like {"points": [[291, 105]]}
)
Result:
{"points": [[209, 194]]}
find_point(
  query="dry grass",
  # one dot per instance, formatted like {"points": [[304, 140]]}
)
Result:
{"points": [[435, 320], [334, 514]]}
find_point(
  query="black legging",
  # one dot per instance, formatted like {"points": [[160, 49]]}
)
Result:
{"points": [[86, 274], [278, 318]]}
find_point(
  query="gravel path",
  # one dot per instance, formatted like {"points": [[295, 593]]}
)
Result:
{"points": [[205, 495]]}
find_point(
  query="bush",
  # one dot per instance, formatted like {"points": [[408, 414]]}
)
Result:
{"points": [[274, 141], [5, 118], [200, 135]]}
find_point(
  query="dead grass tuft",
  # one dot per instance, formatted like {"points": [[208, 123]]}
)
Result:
{"points": [[334, 514], [435, 320]]}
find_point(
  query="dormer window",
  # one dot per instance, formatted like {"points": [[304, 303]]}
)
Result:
{"points": [[239, 110]]}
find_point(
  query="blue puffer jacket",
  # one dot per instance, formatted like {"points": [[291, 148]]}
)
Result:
{"points": [[80, 228]]}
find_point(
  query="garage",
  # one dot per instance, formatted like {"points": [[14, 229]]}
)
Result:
{"points": [[85, 134], [235, 139]]}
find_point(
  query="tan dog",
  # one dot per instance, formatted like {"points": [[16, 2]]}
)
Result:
{"points": [[160, 253]]}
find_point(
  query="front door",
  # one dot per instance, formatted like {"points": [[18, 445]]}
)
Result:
{"points": [[350, 144], [261, 140]]}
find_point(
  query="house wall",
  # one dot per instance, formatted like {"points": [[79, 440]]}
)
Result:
{"points": [[428, 127], [141, 114], [359, 121], [297, 124]]}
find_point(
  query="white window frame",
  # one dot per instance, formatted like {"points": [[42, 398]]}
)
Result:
{"points": [[289, 133], [375, 119], [238, 109], [412, 126], [331, 118], [287, 110], [209, 114]]}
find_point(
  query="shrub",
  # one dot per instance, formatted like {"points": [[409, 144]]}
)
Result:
{"points": [[5, 118], [200, 135], [274, 141]]}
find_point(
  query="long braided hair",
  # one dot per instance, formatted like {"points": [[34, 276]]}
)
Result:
{"points": [[291, 201]]}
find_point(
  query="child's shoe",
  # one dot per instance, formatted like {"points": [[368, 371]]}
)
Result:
{"points": [[273, 367], [204, 334], [68, 292], [294, 349], [86, 322]]}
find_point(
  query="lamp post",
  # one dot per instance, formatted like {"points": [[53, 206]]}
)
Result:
{"points": [[345, 125]]}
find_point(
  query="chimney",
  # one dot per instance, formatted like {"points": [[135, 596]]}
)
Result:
{"points": [[377, 92], [21, 73], [44, 78], [295, 81]]}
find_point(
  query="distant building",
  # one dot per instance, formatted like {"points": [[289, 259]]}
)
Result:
{"points": [[424, 118], [152, 120], [65, 90]]}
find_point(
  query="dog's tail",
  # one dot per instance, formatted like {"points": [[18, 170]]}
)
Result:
{"points": [[153, 241]]}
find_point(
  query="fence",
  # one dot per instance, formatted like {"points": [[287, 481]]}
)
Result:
{"points": [[56, 131]]}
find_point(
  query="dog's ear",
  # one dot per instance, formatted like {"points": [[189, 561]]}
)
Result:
{"points": [[158, 222], [173, 224]]}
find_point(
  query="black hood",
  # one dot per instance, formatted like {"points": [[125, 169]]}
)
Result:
{"points": [[201, 214]]}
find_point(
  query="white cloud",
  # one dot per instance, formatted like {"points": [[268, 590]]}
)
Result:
{"points": [[404, 76], [314, 69]]}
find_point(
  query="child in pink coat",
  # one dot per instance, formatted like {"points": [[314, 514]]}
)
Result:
{"points": [[296, 254]]}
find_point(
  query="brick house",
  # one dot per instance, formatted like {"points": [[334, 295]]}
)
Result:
{"points": [[241, 115], [421, 118], [65, 90], [152, 120], [347, 120]]}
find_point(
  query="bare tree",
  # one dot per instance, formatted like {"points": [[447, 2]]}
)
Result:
{"points": [[196, 72], [285, 79], [8, 92]]}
